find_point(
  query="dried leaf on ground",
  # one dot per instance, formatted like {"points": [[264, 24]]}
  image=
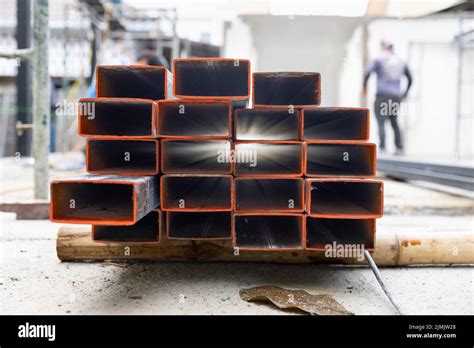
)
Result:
{"points": [[283, 298]]}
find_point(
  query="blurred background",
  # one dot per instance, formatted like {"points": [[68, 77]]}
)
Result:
{"points": [[338, 38]]}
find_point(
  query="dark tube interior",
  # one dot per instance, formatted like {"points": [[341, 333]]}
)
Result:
{"points": [[286, 88], [122, 156], [129, 82], [336, 124], [257, 124], [269, 194], [197, 192], [200, 156], [268, 231], [117, 118], [147, 229], [92, 201], [359, 233], [259, 158], [194, 119], [340, 159], [346, 198], [207, 78], [199, 225]]}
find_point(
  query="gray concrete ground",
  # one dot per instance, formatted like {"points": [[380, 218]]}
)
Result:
{"points": [[34, 281]]}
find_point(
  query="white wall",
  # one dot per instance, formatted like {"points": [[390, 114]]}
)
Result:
{"points": [[430, 110], [299, 43]]}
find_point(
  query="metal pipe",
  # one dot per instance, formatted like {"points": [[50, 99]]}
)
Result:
{"points": [[132, 81], [196, 192], [41, 98], [286, 88], [145, 231], [335, 124], [196, 156], [199, 225], [122, 157], [269, 158], [225, 78], [267, 124], [103, 199], [117, 117], [344, 198], [356, 235], [269, 194], [260, 231], [336, 159], [188, 119]]}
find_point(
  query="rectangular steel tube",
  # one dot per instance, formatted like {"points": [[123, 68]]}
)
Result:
{"points": [[211, 78], [327, 124], [132, 81], [335, 159], [258, 231], [344, 198], [181, 192], [117, 117], [182, 119], [122, 157], [272, 158], [103, 199], [195, 156], [267, 124], [199, 225], [323, 234], [286, 88], [146, 231], [269, 194]]}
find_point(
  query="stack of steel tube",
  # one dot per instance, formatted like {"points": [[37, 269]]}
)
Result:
{"points": [[283, 174]]}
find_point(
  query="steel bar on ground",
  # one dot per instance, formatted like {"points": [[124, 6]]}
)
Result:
{"points": [[383, 285], [449, 174]]}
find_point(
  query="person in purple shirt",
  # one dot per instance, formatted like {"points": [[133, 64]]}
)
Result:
{"points": [[389, 69]]}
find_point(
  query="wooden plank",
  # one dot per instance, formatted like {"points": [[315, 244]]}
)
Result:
{"points": [[392, 249]]}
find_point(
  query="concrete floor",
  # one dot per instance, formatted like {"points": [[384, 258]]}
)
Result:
{"points": [[34, 281]]}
